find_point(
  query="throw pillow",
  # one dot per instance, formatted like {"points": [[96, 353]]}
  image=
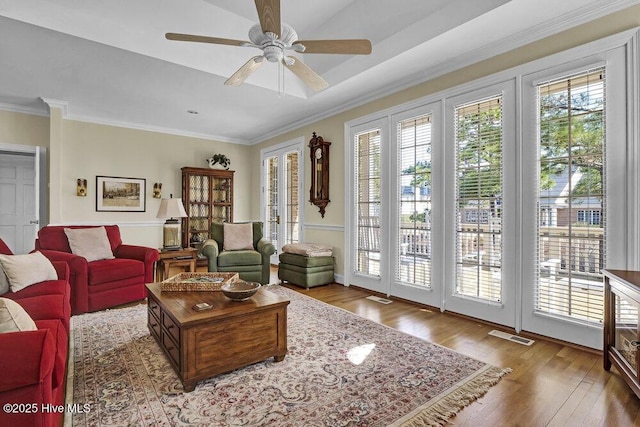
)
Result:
{"points": [[238, 237], [90, 243], [4, 282], [13, 318], [26, 270]]}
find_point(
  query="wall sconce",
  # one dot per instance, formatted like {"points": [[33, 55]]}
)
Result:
{"points": [[157, 190], [81, 187]]}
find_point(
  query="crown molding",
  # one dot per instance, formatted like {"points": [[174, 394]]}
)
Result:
{"points": [[158, 129], [56, 103], [24, 109], [522, 38]]}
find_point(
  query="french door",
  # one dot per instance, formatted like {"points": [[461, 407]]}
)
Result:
{"points": [[481, 206], [416, 179], [282, 169], [574, 201], [367, 204]]}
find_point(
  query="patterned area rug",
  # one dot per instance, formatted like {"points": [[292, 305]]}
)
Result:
{"points": [[341, 370]]}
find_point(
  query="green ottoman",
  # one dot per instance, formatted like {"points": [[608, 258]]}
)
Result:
{"points": [[305, 271]]}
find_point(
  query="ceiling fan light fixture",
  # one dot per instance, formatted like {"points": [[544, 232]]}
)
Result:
{"points": [[274, 37]]}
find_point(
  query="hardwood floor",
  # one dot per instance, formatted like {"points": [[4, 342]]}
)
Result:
{"points": [[551, 383]]}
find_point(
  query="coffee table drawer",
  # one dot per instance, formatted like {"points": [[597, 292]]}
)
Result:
{"points": [[171, 347], [171, 328], [154, 307], [154, 324]]}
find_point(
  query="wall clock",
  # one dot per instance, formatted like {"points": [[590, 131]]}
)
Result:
{"points": [[319, 192]]}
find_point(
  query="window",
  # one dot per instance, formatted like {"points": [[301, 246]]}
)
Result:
{"points": [[571, 176], [414, 225], [478, 140]]}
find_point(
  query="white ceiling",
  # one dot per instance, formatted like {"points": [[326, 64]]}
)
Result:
{"points": [[109, 62]]}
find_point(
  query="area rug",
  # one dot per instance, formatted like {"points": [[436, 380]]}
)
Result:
{"points": [[340, 370]]}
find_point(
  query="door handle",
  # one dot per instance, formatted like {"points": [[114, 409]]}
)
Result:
{"points": [[34, 222], [277, 219]]}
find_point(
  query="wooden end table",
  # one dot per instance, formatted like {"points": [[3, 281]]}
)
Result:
{"points": [[231, 335], [186, 258]]}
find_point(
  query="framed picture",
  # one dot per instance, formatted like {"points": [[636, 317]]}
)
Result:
{"points": [[115, 194]]}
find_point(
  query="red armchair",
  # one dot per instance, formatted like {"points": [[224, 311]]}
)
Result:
{"points": [[34, 363], [101, 284]]}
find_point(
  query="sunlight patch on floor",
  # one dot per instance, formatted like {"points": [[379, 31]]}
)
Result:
{"points": [[358, 354]]}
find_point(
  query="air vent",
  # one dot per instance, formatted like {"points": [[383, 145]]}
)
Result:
{"points": [[380, 300], [510, 337]]}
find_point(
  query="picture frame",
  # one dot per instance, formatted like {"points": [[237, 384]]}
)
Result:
{"points": [[117, 194]]}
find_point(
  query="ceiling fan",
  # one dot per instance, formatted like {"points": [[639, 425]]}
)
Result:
{"points": [[274, 39]]}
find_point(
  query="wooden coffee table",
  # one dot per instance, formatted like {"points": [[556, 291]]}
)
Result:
{"points": [[229, 336]]}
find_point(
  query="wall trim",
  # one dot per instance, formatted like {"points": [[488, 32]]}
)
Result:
{"points": [[323, 227], [121, 224]]}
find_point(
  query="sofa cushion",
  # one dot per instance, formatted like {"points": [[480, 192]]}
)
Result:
{"points": [[26, 270], [14, 318], [53, 237], [238, 237], [237, 258], [111, 270], [90, 243]]}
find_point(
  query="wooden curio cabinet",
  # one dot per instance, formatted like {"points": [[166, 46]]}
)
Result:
{"points": [[621, 333], [207, 195]]}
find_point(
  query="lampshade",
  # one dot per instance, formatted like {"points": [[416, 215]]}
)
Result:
{"points": [[171, 230], [171, 208]]}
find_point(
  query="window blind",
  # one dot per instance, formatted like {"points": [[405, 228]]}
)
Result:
{"points": [[571, 198], [413, 245], [367, 192], [293, 217], [478, 139]]}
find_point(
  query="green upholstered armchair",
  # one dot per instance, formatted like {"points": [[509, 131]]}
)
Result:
{"points": [[253, 265]]}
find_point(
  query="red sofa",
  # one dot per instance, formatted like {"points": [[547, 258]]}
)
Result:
{"points": [[101, 284], [34, 363]]}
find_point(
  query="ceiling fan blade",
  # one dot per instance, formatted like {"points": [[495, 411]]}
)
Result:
{"points": [[306, 74], [351, 47], [269, 14], [204, 39], [245, 71]]}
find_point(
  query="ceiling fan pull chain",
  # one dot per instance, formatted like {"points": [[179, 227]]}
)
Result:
{"points": [[280, 79]]}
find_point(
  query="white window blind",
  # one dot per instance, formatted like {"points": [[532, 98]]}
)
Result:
{"points": [[271, 206], [293, 215], [571, 197], [413, 247], [478, 139], [367, 195]]}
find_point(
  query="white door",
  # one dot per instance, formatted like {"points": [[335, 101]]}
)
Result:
{"points": [[416, 186], [481, 207], [576, 164], [282, 168], [18, 201], [368, 232]]}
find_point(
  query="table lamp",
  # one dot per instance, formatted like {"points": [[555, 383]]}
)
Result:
{"points": [[172, 209]]}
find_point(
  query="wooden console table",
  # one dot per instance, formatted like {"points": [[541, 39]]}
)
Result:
{"points": [[187, 257], [621, 332], [232, 334]]}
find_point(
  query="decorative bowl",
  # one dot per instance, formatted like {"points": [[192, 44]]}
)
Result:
{"points": [[240, 290]]}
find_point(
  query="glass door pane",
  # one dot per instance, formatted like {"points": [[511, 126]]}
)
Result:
{"points": [[368, 202]]}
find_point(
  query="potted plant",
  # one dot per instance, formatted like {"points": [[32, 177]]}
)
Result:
{"points": [[221, 160]]}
